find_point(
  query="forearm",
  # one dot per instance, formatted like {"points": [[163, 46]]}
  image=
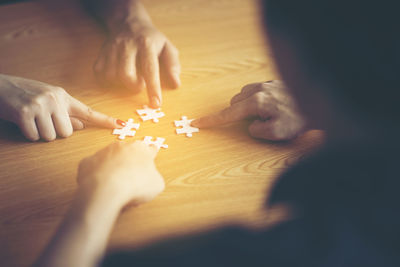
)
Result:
{"points": [[82, 237], [116, 13]]}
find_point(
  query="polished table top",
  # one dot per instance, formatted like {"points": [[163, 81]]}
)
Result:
{"points": [[218, 176]]}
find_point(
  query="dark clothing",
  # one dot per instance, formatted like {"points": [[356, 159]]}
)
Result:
{"points": [[346, 204]]}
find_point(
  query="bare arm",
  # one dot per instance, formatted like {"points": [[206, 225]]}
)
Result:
{"points": [[118, 174], [82, 237], [114, 13]]}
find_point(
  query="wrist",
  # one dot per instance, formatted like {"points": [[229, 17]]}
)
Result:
{"points": [[94, 195], [130, 17], [129, 26]]}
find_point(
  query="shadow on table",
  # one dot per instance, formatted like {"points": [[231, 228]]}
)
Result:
{"points": [[11, 133]]}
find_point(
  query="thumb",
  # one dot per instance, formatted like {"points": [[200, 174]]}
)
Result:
{"points": [[264, 130]]}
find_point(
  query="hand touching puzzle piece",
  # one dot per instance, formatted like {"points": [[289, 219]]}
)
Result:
{"points": [[127, 129], [159, 142], [150, 114], [184, 123]]}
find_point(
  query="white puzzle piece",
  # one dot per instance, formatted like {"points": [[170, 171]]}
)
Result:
{"points": [[127, 130], [159, 142], [150, 114], [184, 123]]}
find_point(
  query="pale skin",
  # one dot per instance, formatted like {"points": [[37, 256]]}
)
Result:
{"points": [[275, 114], [125, 173], [119, 174], [134, 55], [82, 236], [43, 111]]}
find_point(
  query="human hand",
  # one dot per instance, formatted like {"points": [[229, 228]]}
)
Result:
{"points": [[276, 115], [127, 170], [45, 111], [135, 56]]}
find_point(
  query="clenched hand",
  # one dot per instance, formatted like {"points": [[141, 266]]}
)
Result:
{"points": [[138, 56], [275, 114], [45, 111]]}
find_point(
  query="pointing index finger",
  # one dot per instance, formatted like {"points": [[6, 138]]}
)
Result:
{"points": [[236, 112], [151, 75], [88, 115], [101, 119]]}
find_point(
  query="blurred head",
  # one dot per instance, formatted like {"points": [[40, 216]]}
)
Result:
{"points": [[341, 59]]}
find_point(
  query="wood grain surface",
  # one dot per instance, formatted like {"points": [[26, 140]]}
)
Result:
{"points": [[219, 176]]}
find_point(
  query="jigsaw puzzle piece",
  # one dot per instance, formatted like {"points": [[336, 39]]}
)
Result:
{"points": [[186, 128], [128, 130], [159, 142], [150, 114]]}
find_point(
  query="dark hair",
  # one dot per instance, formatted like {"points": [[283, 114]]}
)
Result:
{"points": [[354, 45]]}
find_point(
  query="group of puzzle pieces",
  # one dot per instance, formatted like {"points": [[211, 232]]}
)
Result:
{"points": [[146, 114]]}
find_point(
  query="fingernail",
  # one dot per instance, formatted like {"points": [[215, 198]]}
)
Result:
{"points": [[155, 102], [121, 122], [81, 126], [194, 123]]}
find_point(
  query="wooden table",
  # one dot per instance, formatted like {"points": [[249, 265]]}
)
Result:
{"points": [[220, 175]]}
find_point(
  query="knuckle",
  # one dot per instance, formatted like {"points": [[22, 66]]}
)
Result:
{"points": [[49, 95], [234, 99], [244, 88], [267, 88], [126, 78], [146, 42], [24, 111], [36, 101], [59, 90], [32, 137], [262, 104], [247, 87], [148, 69], [43, 100], [89, 112], [258, 99], [49, 137], [65, 133]]}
